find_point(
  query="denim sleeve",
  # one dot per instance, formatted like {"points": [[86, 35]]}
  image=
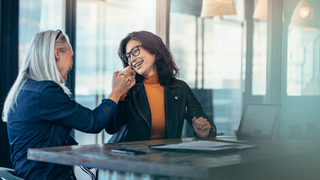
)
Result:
{"points": [[58, 107], [120, 119]]}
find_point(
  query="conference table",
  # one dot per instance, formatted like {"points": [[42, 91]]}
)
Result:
{"points": [[277, 159]]}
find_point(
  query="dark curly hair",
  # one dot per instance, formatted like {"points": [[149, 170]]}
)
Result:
{"points": [[166, 67]]}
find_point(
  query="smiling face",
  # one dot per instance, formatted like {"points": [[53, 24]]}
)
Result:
{"points": [[64, 60], [144, 63]]}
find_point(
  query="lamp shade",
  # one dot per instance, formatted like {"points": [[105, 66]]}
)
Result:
{"points": [[261, 10], [303, 16], [211, 8]]}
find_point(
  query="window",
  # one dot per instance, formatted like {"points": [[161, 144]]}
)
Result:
{"points": [[209, 54], [259, 59], [303, 77], [101, 25], [35, 16], [300, 69]]}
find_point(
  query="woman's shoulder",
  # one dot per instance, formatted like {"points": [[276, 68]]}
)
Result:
{"points": [[39, 86], [178, 83]]}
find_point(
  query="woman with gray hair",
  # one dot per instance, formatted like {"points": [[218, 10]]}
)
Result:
{"points": [[40, 113]]}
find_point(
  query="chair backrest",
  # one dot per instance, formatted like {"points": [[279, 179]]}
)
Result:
{"points": [[205, 98], [86, 170], [8, 174]]}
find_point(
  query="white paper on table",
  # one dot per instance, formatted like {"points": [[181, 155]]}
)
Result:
{"points": [[203, 146]]}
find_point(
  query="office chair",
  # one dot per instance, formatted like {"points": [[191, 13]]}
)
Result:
{"points": [[205, 98], [86, 170], [8, 174]]}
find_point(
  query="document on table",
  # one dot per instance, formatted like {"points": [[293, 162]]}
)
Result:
{"points": [[202, 146]]}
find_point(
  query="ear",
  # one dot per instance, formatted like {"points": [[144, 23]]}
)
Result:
{"points": [[57, 53]]}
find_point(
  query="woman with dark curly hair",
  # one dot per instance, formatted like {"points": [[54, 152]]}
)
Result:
{"points": [[156, 106]]}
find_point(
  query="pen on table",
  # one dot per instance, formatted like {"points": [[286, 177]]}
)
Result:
{"points": [[122, 151]]}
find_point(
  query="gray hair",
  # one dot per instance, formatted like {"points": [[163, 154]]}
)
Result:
{"points": [[39, 64]]}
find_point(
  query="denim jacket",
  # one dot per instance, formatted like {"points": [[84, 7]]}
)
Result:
{"points": [[44, 116], [134, 116]]}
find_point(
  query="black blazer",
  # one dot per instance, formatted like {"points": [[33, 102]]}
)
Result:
{"points": [[134, 116]]}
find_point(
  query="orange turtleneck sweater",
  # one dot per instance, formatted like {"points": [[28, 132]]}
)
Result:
{"points": [[155, 95]]}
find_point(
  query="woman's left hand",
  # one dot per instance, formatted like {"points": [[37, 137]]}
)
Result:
{"points": [[201, 127]]}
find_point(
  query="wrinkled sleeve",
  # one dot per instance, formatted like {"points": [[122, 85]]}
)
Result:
{"points": [[58, 107], [194, 109]]}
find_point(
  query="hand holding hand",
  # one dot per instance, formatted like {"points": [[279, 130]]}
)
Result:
{"points": [[201, 127], [128, 73], [121, 84]]}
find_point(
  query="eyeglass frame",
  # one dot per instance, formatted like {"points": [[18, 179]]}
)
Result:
{"points": [[130, 52], [60, 32]]}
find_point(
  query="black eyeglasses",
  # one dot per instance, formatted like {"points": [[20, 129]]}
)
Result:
{"points": [[135, 51], [60, 32]]}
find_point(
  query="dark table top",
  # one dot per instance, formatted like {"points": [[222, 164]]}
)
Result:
{"points": [[267, 157]]}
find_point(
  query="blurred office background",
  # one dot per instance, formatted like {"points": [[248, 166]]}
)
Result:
{"points": [[265, 51]]}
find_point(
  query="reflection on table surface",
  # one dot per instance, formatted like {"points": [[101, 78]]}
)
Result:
{"points": [[277, 157]]}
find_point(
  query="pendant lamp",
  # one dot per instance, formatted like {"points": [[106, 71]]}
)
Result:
{"points": [[303, 16], [261, 10], [212, 8]]}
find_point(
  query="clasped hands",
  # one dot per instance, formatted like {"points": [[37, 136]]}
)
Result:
{"points": [[123, 80], [129, 74], [201, 126]]}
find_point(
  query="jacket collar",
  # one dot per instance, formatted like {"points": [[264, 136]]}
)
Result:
{"points": [[172, 84], [137, 86], [28, 80]]}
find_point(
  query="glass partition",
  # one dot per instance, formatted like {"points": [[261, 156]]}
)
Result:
{"points": [[209, 54]]}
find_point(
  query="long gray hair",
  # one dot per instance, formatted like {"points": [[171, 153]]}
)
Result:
{"points": [[39, 64]]}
